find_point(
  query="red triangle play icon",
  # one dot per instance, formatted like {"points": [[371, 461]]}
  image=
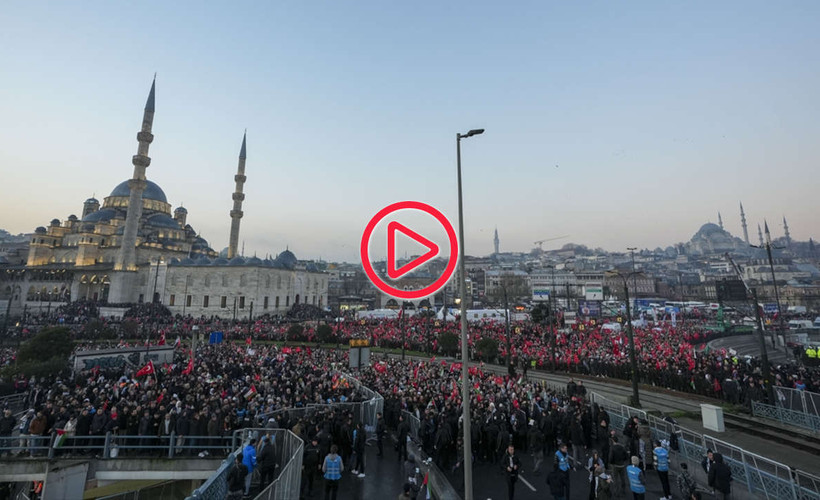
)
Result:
{"points": [[396, 273]]}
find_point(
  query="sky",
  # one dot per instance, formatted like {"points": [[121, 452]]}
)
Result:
{"points": [[614, 124]]}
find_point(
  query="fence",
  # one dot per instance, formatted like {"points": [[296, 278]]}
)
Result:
{"points": [[112, 445], [288, 459], [785, 416], [439, 486], [289, 447], [760, 476]]}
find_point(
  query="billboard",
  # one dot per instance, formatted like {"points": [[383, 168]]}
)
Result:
{"points": [[540, 294], [770, 308], [589, 308], [594, 290]]}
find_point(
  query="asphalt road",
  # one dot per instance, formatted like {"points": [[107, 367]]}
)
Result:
{"points": [[750, 345]]}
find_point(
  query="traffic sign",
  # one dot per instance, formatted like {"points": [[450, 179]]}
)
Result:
{"points": [[433, 251]]}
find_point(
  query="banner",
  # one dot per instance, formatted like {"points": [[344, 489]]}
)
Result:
{"points": [[540, 294], [589, 308]]}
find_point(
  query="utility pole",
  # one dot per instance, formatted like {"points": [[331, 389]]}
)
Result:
{"points": [[634, 284], [507, 321], [633, 360]]}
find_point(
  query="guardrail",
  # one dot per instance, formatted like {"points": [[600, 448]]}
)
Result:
{"points": [[760, 476], [786, 416], [111, 445], [438, 484]]}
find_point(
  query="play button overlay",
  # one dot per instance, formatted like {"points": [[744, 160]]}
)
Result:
{"points": [[398, 231], [392, 258]]}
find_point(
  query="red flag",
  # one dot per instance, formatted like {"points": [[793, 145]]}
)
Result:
{"points": [[161, 339], [248, 341], [416, 371], [251, 392], [190, 368], [146, 370]]}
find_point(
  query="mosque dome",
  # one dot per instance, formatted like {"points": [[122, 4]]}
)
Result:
{"points": [[92, 201], [106, 214], [709, 229], [162, 220], [152, 191], [237, 261], [220, 261], [254, 261], [286, 259]]}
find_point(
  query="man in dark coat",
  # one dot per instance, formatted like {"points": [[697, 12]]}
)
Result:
{"points": [[236, 479], [720, 476], [267, 462], [310, 464]]}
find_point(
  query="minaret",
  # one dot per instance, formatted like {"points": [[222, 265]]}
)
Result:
{"points": [[766, 232], [743, 222], [788, 236], [720, 221], [238, 197], [760, 235], [126, 258], [495, 241]]}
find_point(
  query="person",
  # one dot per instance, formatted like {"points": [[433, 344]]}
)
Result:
{"points": [[602, 484], [562, 464], [511, 465], [618, 458], [707, 461], [310, 464], [249, 459], [405, 492], [720, 477], [402, 431], [6, 428], [661, 460], [332, 468], [686, 484], [267, 462], [637, 482], [557, 482], [381, 429], [359, 440], [594, 463], [236, 479]]}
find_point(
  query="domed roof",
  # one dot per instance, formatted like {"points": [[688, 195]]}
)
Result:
{"points": [[203, 261], [187, 262], [254, 261], [162, 220], [286, 259], [181, 210], [237, 261], [91, 201], [709, 229], [40, 230], [105, 214], [152, 191], [220, 261]]}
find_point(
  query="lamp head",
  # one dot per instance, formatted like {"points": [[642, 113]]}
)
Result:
{"points": [[475, 131]]}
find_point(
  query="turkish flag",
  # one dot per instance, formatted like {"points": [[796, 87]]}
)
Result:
{"points": [[146, 370], [161, 339], [190, 367]]}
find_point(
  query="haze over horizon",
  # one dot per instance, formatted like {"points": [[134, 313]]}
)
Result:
{"points": [[618, 125]]}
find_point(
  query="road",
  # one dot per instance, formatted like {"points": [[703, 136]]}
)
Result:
{"points": [[749, 345]]}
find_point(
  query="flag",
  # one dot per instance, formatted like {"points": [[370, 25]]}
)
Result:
{"points": [[177, 342], [248, 341], [161, 339], [251, 392], [416, 371], [146, 370], [60, 439], [190, 368]]}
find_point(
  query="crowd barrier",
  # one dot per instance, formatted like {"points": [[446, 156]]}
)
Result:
{"points": [[438, 484], [288, 474], [787, 417], [759, 476]]}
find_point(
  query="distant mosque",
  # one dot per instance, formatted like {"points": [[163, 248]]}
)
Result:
{"points": [[133, 249]]}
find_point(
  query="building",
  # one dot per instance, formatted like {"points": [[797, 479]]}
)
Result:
{"points": [[133, 248]]}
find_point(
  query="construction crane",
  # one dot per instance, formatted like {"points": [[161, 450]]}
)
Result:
{"points": [[764, 355], [541, 242]]}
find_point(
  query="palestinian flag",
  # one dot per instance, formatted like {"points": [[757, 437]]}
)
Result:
{"points": [[251, 393], [60, 439]]}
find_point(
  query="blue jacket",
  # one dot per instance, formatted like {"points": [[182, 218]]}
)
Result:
{"points": [[249, 458], [661, 458]]}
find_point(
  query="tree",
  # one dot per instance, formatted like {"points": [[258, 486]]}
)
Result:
{"points": [[487, 349], [54, 342], [448, 342], [295, 332], [508, 288], [44, 355], [324, 333], [540, 313]]}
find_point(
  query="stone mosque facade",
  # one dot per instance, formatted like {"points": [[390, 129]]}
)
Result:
{"points": [[133, 248]]}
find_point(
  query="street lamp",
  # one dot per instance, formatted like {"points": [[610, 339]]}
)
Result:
{"points": [[465, 382], [633, 361]]}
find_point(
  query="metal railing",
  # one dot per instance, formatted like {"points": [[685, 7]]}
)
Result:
{"points": [[438, 484], [111, 445], [799, 401], [14, 402], [787, 417], [288, 482], [287, 466], [759, 476]]}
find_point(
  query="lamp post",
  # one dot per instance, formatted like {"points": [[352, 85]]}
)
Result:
{"points": [[465, 381], [768, 247], [633, 361], [552, 320]]}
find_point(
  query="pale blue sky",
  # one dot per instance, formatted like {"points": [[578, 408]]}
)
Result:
{"points": [[657, 114]]}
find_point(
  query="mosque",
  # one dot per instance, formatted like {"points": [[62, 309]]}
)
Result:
{"points": [[134, 249]]}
